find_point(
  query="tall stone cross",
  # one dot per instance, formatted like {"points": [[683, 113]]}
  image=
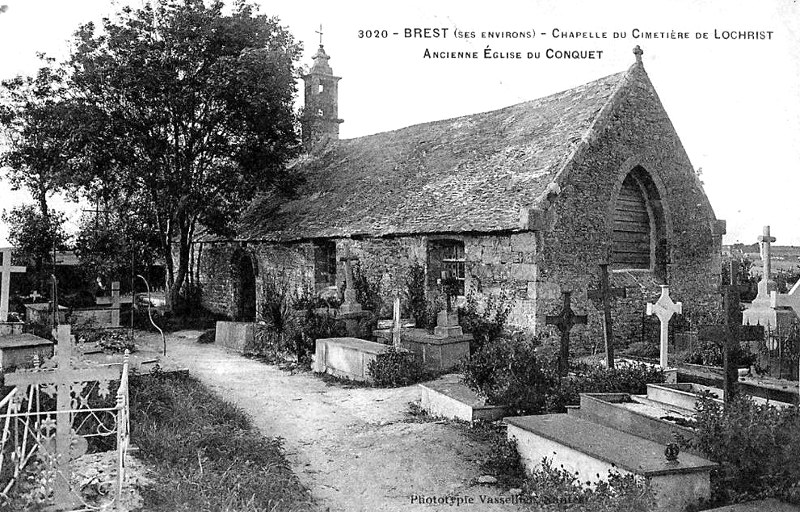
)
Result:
{"points": [[6, 268], [731, 299], [765, 285], [664, 308], [605, 294], [63, 378], [564, 321], [350, 304]]}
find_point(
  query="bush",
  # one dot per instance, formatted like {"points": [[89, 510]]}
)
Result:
{"points": [[394, 368], [486, 323], [757, 446], [627, 378], [507, 372], [643, 349], [415, 291], [551, 488], [368, 293]]}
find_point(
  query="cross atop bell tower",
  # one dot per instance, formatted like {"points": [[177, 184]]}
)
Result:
{"points": [[321, 114]]}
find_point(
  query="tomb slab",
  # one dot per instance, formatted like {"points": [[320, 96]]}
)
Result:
{"points": [[447, 397]]}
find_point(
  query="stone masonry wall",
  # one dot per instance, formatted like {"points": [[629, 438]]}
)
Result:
{"points": [[637, 133]]}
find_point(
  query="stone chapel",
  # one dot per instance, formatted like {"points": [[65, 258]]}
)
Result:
{"points": [[526, 200]]}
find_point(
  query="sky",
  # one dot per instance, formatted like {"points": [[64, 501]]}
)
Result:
{"points": [[726, 71]]}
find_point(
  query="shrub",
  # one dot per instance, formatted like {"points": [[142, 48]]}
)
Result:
{"points": [[394, 368], [757, 446], [415, 291], [484, 323], [208, 336], [507, 372], [627, 378], [551, 488], [643, 349], [368, 292], [435, 303]]}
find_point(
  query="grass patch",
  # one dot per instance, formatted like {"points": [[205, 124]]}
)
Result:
{"points": [[205, 452]]}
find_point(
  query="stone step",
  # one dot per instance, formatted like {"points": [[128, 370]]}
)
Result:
{"points": [[591, 450], [634, 415]]}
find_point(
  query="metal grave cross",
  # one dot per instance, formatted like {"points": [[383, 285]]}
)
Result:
{"points": [[664, 308], [733, 320], [564, 321], [63, 378], [604, 294], [6, 268]]}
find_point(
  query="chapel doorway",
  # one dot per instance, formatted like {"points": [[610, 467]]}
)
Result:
{"points": [[246, 289]]}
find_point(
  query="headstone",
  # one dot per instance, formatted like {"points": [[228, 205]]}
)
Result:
{"points": [[731, 300], [447, 319], [604, 294], [63, 378], [6, 268], [565, 321], [664, 308], [350, 304], [115, 304]]}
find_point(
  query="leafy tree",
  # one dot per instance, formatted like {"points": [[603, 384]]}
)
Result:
{"points": [[34, 235], [36, 119], [187, 110]]}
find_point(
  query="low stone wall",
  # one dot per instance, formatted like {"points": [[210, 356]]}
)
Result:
{"points": [[102, 317], [346, 357], [235, 335]]}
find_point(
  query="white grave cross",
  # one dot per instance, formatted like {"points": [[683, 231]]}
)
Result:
{"points": [[664, 308], [396, 323], [63, 378], [6, 268]]}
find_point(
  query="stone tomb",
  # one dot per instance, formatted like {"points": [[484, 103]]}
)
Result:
{"points": [[235, 335], [346, 357], [625, 433], [437, 352], [447, 397]]}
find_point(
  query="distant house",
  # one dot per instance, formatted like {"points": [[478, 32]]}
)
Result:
{"points": [[526, 200]]}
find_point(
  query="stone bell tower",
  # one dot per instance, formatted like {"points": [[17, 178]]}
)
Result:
{"points": [[321, 115]]}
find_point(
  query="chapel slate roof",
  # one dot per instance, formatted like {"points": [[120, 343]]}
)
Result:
{"points": [[468, 174]]}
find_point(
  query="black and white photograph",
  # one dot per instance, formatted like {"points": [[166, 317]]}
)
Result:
{"points": [[399, 256]]}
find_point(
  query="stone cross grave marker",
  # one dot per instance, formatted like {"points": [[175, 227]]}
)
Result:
{"points": [[605, 294], [765, 285], [350, 304], [664, 308], [34, 296], [6, 268], [731, 299], [565, 321], [63, 378], [396, 323], [447, 319]]}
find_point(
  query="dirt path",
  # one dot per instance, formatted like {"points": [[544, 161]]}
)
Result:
{"points": [[355, 449]]}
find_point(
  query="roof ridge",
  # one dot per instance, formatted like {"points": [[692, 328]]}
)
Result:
{"points": [[622, 74]]}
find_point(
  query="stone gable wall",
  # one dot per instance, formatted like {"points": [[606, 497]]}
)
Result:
{"points": [[637, 132]]}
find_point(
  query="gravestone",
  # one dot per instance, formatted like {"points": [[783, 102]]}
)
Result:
{"points": [[664, 308], [565, 321], [447, 319], [6, 269], [605, 294], [396, 323], [62, 379], [350, 304]]}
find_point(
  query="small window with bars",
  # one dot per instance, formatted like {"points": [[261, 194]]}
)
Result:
{"points": [[446, 256], [324, 264]]}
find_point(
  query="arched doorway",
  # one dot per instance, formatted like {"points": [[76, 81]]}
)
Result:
{"points": [[638, 238], [245, 310]]}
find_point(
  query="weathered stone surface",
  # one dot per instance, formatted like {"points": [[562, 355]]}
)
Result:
{"points": [[235, 335]]}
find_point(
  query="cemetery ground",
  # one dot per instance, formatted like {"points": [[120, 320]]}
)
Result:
{"points": [[354, 447]]}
